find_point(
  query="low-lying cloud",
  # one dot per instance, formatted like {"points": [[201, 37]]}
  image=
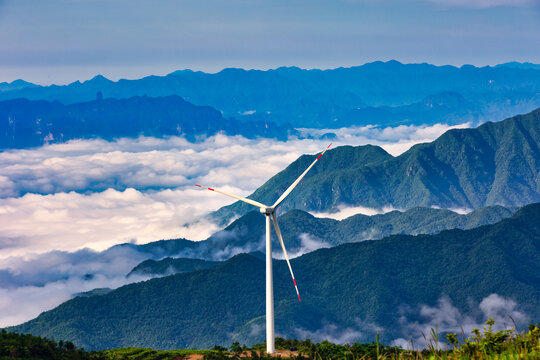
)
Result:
{"points": [[31, 286], [444, 317], [344, 211], [69, 221], [360, 331], [415, 324], [150, 163], [308, 243]]}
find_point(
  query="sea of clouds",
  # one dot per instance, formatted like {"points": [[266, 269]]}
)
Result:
{"points": [[81, 197]]}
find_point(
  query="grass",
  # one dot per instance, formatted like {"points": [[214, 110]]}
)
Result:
{"points": [[135, 353], [486, 344]]}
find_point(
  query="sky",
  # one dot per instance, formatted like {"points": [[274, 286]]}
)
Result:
{"points": [[60, 41]]}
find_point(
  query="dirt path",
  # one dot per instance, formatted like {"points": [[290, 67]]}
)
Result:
{"points": [[278, 353]]}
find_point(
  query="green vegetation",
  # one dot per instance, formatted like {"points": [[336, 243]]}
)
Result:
{"points": [[170, 266], [134, 353], [488, 343], [246, 232], [24, 346], [485, 345], [367, 281], [496, 163]]}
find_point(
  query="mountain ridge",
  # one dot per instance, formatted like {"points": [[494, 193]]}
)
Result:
{"points": [[303, 232], [315, 98], [26, 123], [493, 164]]}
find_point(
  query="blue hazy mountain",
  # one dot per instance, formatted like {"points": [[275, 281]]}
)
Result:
{"points": [[16, 85], [494, 164], [518, 65], [330, 98], [28, 123], [369, 287]]}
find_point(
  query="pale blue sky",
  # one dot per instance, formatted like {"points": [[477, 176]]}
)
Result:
{"points": [[64, 40]]}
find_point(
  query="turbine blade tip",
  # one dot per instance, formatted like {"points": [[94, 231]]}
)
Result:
{"points": [[198, 185], [329, 146]]}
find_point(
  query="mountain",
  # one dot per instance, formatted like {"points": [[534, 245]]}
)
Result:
{"points": [[494, 164], [26, 123], [170, 266], [518, 65], [15, 85], [447, 107], [362, 288], [326, 98], [303, 232]]}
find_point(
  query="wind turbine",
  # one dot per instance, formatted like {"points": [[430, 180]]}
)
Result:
{"points": [[270, 212]]}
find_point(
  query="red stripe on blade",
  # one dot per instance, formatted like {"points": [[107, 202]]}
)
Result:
{"points": [[299, 298], [210, 189], [294, 281], [198, 185], [318, 157]]}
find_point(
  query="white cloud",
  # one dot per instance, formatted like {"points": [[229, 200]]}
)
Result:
{"points": [[143, 163], [68, 221], [308, 243], [332, 333], [444, 317], [461, 211], [247, 112], [344, 211], [359, 332], [395, 140]]}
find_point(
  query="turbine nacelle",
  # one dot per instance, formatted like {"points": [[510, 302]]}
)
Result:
{"points": [[267, 210]]}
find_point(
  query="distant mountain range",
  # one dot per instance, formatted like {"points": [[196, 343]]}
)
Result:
{"points": [[16, 85], [25, 123], [518, 65], [388, 93], [494, 164], [365, 288]]}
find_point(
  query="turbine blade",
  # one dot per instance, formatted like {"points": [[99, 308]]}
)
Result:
{"points": [[278, 233], [293, 185], [249, 201]]}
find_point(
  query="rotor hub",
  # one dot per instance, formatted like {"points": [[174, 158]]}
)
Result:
{"points": [[267, 211]]}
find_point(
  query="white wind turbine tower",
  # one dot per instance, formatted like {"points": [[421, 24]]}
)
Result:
{"points": [[270, 211]]}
